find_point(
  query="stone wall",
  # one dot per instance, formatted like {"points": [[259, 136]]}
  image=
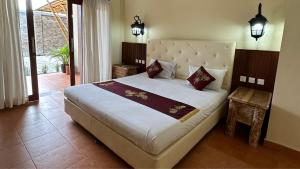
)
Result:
{"points": [[48, 35]]}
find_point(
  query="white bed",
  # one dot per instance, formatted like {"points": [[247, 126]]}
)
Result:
{"points": [[140, 135], [149, 129]]}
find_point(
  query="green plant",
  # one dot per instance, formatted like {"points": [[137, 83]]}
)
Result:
{"points": [[45, 69], [62, 54], [57, 66]]}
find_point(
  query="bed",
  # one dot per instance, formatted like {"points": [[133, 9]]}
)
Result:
{"points": [[142, 136]]}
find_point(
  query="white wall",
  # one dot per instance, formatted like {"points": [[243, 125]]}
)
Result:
{"points": [[284, 127], [227, 20], [206, 19]]}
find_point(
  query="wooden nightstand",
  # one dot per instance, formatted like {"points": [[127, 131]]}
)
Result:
{"points": [[248, 106], [124, 70]]}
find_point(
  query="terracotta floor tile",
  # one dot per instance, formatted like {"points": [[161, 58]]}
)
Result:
{"points": [[61, 121], [99, 164], [13, 156], [45, 143], [13, 120], [208, 157], [72, 131], [90, 148], [55, 82], [26, 120], [36, 130], [9, 139], [53, 113], [62, 157], [55, 141], [25, 165]]}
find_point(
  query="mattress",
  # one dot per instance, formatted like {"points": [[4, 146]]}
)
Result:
{"points": [[147, 128]]}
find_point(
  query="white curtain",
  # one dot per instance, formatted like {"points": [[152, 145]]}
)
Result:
{"points": [[96, 59], [12, 79]]}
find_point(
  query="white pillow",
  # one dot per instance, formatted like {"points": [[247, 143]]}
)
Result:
{"points": [[169, 69], [218, 74]]}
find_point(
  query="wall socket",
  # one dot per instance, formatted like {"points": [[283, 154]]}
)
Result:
{"points": [[243, 79], [251, 80], [261, 82]]}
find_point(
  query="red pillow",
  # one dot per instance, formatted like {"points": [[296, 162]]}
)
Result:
{"points": [[154, 69], [201, 78]]}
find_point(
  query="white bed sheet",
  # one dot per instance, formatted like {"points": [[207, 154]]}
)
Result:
{"points": [[149, 129]]}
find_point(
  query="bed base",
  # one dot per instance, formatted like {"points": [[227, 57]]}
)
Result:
{"points": [[132, 154]]}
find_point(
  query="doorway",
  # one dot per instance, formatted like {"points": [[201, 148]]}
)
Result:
{"points": [[48, 47]]}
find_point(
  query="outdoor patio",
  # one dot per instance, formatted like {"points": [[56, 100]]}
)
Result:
{"points": [[53, 82]]}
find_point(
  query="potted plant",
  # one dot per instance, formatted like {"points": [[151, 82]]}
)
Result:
{"points": [[63, 55]]}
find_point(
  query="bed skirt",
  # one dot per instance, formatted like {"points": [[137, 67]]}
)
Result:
{"points": [[132, 154]]}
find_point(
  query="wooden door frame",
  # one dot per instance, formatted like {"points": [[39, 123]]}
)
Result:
{"points": [[32, 52], [71, 38]]}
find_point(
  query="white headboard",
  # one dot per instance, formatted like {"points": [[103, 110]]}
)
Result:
{"points": [[217, 55]]}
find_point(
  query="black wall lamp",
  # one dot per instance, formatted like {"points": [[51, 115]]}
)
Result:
{"points": [[258, 24], [137, 27]]}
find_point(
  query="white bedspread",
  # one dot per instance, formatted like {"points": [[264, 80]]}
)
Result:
{"points": [[149, 129]]}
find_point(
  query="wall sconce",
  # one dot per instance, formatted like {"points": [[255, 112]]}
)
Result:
{"points": [[258, 24], [137, 27]]}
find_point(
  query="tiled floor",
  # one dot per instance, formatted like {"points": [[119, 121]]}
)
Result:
{"points": [[55, 82], [43, 136]]}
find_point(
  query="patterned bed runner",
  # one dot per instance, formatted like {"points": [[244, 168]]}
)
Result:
{"points": [[172, 108]]}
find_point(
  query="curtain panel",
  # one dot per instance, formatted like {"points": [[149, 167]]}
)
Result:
{"points": [[12, 79], [96, 37]]}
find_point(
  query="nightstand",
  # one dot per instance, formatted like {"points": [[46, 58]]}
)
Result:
{"points": [[248, 106], [124, 70]]}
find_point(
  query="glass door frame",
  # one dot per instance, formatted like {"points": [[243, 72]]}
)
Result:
{"points": [[32, 52], [71, 42], [71, 38], [32, 47]]}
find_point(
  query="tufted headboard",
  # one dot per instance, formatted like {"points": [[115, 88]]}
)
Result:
{"points": [[216, 55]]}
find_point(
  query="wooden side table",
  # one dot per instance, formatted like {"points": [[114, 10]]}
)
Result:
{"points": [[248, 106], [124, 70]]}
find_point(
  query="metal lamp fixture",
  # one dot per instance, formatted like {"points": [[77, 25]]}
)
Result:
{"points": [[257, 24], [137, 27]]}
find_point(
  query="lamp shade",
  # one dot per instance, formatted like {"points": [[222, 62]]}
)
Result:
{"points": [[258, 24], [137, 27]]}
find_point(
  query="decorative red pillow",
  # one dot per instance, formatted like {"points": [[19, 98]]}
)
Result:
{"points": [[154, 69], [201, 78]]}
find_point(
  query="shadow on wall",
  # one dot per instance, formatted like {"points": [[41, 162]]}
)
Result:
{"points": [[280, 132]]}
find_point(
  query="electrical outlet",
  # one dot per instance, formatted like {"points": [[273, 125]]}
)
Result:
{"points": [[143, 62], [251, 80], [243, 79], [261, 82]]}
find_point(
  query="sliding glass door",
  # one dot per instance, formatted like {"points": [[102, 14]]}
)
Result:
{"points": [[74, 25], [46, 29], [28, 48]]}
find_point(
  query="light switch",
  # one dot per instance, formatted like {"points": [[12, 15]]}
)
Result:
{"points": [[143, 62], [243, 79], [136, 61], [261, 82], [251, 80], [140, 61]]}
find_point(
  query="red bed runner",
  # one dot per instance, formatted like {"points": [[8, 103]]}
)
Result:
{"points": [[175, 109]]}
